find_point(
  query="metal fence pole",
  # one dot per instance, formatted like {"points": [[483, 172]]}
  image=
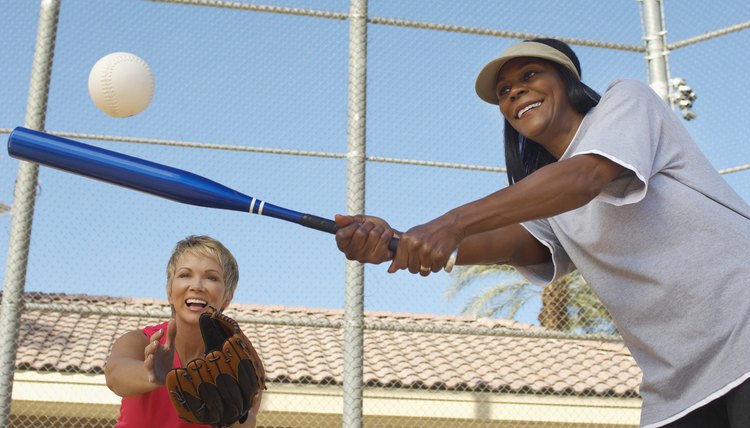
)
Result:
{"points": [[23, 205], [654, 35], [355, 204]]}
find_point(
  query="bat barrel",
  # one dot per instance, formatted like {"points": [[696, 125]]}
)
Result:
{"points": [[149, 177], [123, 170]]}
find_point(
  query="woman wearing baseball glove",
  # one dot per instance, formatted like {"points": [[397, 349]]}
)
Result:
{"points": [[197, 368]]}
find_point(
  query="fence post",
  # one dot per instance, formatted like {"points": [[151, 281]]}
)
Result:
{"points": [[355, 204], [654, 35], [23, 205]]}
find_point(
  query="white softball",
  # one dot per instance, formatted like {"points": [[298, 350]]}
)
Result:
{"points": [[121, 84]]}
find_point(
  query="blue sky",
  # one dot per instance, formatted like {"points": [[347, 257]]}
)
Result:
{"points": [[264, 80]]}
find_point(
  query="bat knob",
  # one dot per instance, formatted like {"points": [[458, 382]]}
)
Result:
{"points": [[451, 261]]}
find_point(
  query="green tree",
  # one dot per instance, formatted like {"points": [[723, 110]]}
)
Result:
{"points": [[568, 304]]}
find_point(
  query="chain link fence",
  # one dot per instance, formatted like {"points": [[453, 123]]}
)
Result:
{"points": [[256, 97]]}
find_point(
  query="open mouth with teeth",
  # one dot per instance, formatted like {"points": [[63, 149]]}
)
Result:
{"points": [[528, 108], [196, 303]]}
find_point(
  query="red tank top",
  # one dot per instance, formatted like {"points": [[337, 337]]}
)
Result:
{"points": [[152, 409]]}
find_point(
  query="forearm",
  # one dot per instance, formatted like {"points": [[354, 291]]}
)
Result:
{"points": [[127, 377], [512, 245], [551, 190]]}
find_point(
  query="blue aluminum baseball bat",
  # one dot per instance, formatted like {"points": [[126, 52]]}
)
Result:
{"points": [[149, 177]]}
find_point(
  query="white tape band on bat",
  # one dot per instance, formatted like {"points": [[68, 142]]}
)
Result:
{"points": [[260, 208], [252, 205], [451, 261]]}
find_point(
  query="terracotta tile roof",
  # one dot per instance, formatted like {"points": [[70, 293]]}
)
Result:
{"points": [[65, 341]]}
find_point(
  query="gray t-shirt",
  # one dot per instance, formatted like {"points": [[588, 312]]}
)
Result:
{"points": [[664, 247]]}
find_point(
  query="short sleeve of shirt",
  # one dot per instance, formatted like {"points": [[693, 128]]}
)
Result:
{"points": [[560, 264], [623, 128]]}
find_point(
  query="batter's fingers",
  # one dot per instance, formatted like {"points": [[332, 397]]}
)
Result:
{"points": [[434, 260], [425, 270], [402, 257], [394, 267], [378, 239], [383, 243], [362, 234], [346, 235], [397, 262], [425, 259], [415, 265], [358, 248], [419, 259]]}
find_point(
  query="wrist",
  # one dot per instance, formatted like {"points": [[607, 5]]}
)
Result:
{"points": [[454, 220]]}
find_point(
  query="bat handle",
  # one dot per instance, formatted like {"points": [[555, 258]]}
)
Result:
{"points": [[451, 261], [330, 226], [319, 223]]}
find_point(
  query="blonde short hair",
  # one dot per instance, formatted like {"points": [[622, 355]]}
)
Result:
{"points": [[202, 245]]}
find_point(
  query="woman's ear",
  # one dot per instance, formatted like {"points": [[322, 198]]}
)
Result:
{"points": [[169, 293]]}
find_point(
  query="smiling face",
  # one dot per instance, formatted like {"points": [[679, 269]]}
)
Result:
{"points": [[534, 100], [205, 247], [198, 282]]}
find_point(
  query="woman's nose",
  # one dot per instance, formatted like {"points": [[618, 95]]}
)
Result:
{"points": [[517, 92], [196, 284]]}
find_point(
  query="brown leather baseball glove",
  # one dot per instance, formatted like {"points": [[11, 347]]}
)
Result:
{"points": [[219, 388]]}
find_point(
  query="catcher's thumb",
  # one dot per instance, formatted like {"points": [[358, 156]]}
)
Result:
{"points": [[171, 334]]}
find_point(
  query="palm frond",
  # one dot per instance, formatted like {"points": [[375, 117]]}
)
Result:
{"points": [[464, 276], [500, 300], [574, 305]]}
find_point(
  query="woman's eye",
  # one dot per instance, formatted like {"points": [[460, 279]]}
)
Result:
{"points": [[529, 74], [503, 91], [183, 275]]}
